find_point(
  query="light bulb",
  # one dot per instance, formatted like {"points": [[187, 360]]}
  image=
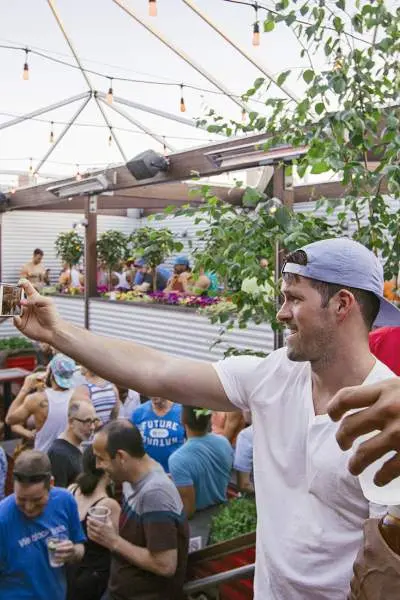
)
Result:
{"points": [[152, 8], [110, 140], [25, 72], [110, 94], [182, 104], [244, 116], [256, 34], [78, 176], [51, 138]]}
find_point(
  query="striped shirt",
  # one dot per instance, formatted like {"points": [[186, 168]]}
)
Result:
{"points": [[103, 398]]}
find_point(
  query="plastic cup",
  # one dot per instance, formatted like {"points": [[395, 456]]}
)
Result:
{"points": [[100, 513], [52, 542], [388, 494]]}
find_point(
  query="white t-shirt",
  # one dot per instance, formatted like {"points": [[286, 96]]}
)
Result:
{"points": [[311, 510]]}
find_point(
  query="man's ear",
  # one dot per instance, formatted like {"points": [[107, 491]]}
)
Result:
{"points": [[345, 303], [121, 455]]}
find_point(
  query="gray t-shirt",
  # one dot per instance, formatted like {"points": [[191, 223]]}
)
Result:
{"points": [[152, 517]]}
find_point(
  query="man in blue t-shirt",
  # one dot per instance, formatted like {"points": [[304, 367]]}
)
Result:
{"points": [[201, 469], [159, 422], [35, 512]]}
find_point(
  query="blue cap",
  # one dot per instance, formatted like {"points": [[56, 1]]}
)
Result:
{"points": [[140, 262], [345, 262], [62, 368], [182, 260]]}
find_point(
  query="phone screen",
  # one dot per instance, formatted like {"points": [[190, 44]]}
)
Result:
{"points": [[10, 298]]}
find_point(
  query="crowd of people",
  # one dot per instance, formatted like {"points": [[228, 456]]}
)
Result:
{"points": [[314, 522], [72, 425], [133, 274]]}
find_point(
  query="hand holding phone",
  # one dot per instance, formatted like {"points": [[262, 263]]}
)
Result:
{"points": [[10, 299]]}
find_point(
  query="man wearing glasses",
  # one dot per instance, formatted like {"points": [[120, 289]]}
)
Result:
{"points": [[36, 512], [65, 452]]}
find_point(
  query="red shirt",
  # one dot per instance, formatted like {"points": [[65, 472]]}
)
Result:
{"points": [[384, 343]]}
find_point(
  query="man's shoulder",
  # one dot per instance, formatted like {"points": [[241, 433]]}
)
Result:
{"points": [[141, 410], [62, 447], [277, 362], [160, 495], [60, 496], [7, 506]]}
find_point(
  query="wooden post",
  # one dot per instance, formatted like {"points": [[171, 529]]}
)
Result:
{"points": [[278, 191], [90, 254]]}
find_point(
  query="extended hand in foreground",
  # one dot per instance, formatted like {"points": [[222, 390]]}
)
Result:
{"points": [[381, 411], [39, 318]]}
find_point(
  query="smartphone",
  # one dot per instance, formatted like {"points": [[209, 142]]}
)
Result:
{"points": [[10, 299]]}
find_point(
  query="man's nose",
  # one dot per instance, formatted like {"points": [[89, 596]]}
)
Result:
{"points": [[284, 314]]}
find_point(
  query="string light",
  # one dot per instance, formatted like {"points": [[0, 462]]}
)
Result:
{"points": [[182, 104], [338, 64], [164, 146], [78, 176], [51, 138], [152, 8], [110, 137], [244, 115], [25, 73], [30, 166], [110, 93], [256, 28]]}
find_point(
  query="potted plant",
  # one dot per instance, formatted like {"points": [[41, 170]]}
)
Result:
{"points": [[111, 251], [154, 245], [69, 247]]}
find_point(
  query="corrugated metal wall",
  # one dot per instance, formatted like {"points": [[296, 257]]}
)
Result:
{"points": [[175, 331], [24, 231], [71, 309]]}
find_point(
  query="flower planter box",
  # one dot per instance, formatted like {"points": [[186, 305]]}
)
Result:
{"points": [[222, 557], [21, 361]]}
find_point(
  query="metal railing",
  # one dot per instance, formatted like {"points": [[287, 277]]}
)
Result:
{"points": [[213, 581]]}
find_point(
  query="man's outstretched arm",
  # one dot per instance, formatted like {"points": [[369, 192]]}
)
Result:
{"points": [[127, 364]]}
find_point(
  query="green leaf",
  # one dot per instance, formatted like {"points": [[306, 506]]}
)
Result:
{"points": [[269, 26], [308, 75], [319, 108], [320, 167], [282, 77], [338, 24]]}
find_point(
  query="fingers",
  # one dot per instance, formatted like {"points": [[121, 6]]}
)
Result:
{"points": [[353, 397], [389, 471], [368, 452], [359, 423], [28, 288]]}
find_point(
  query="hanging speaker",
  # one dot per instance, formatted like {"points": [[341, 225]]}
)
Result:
{"points": [[147, 164]]}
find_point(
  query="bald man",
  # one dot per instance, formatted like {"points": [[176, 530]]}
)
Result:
{"points": [[65, 453]]}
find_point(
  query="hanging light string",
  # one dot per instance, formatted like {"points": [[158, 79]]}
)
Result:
{"points": [[300, 21], [256, 28], [110, 93], [182, 106], [117, 77], [152, 8], [25, 72], [97, 125], [51, 138]]}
